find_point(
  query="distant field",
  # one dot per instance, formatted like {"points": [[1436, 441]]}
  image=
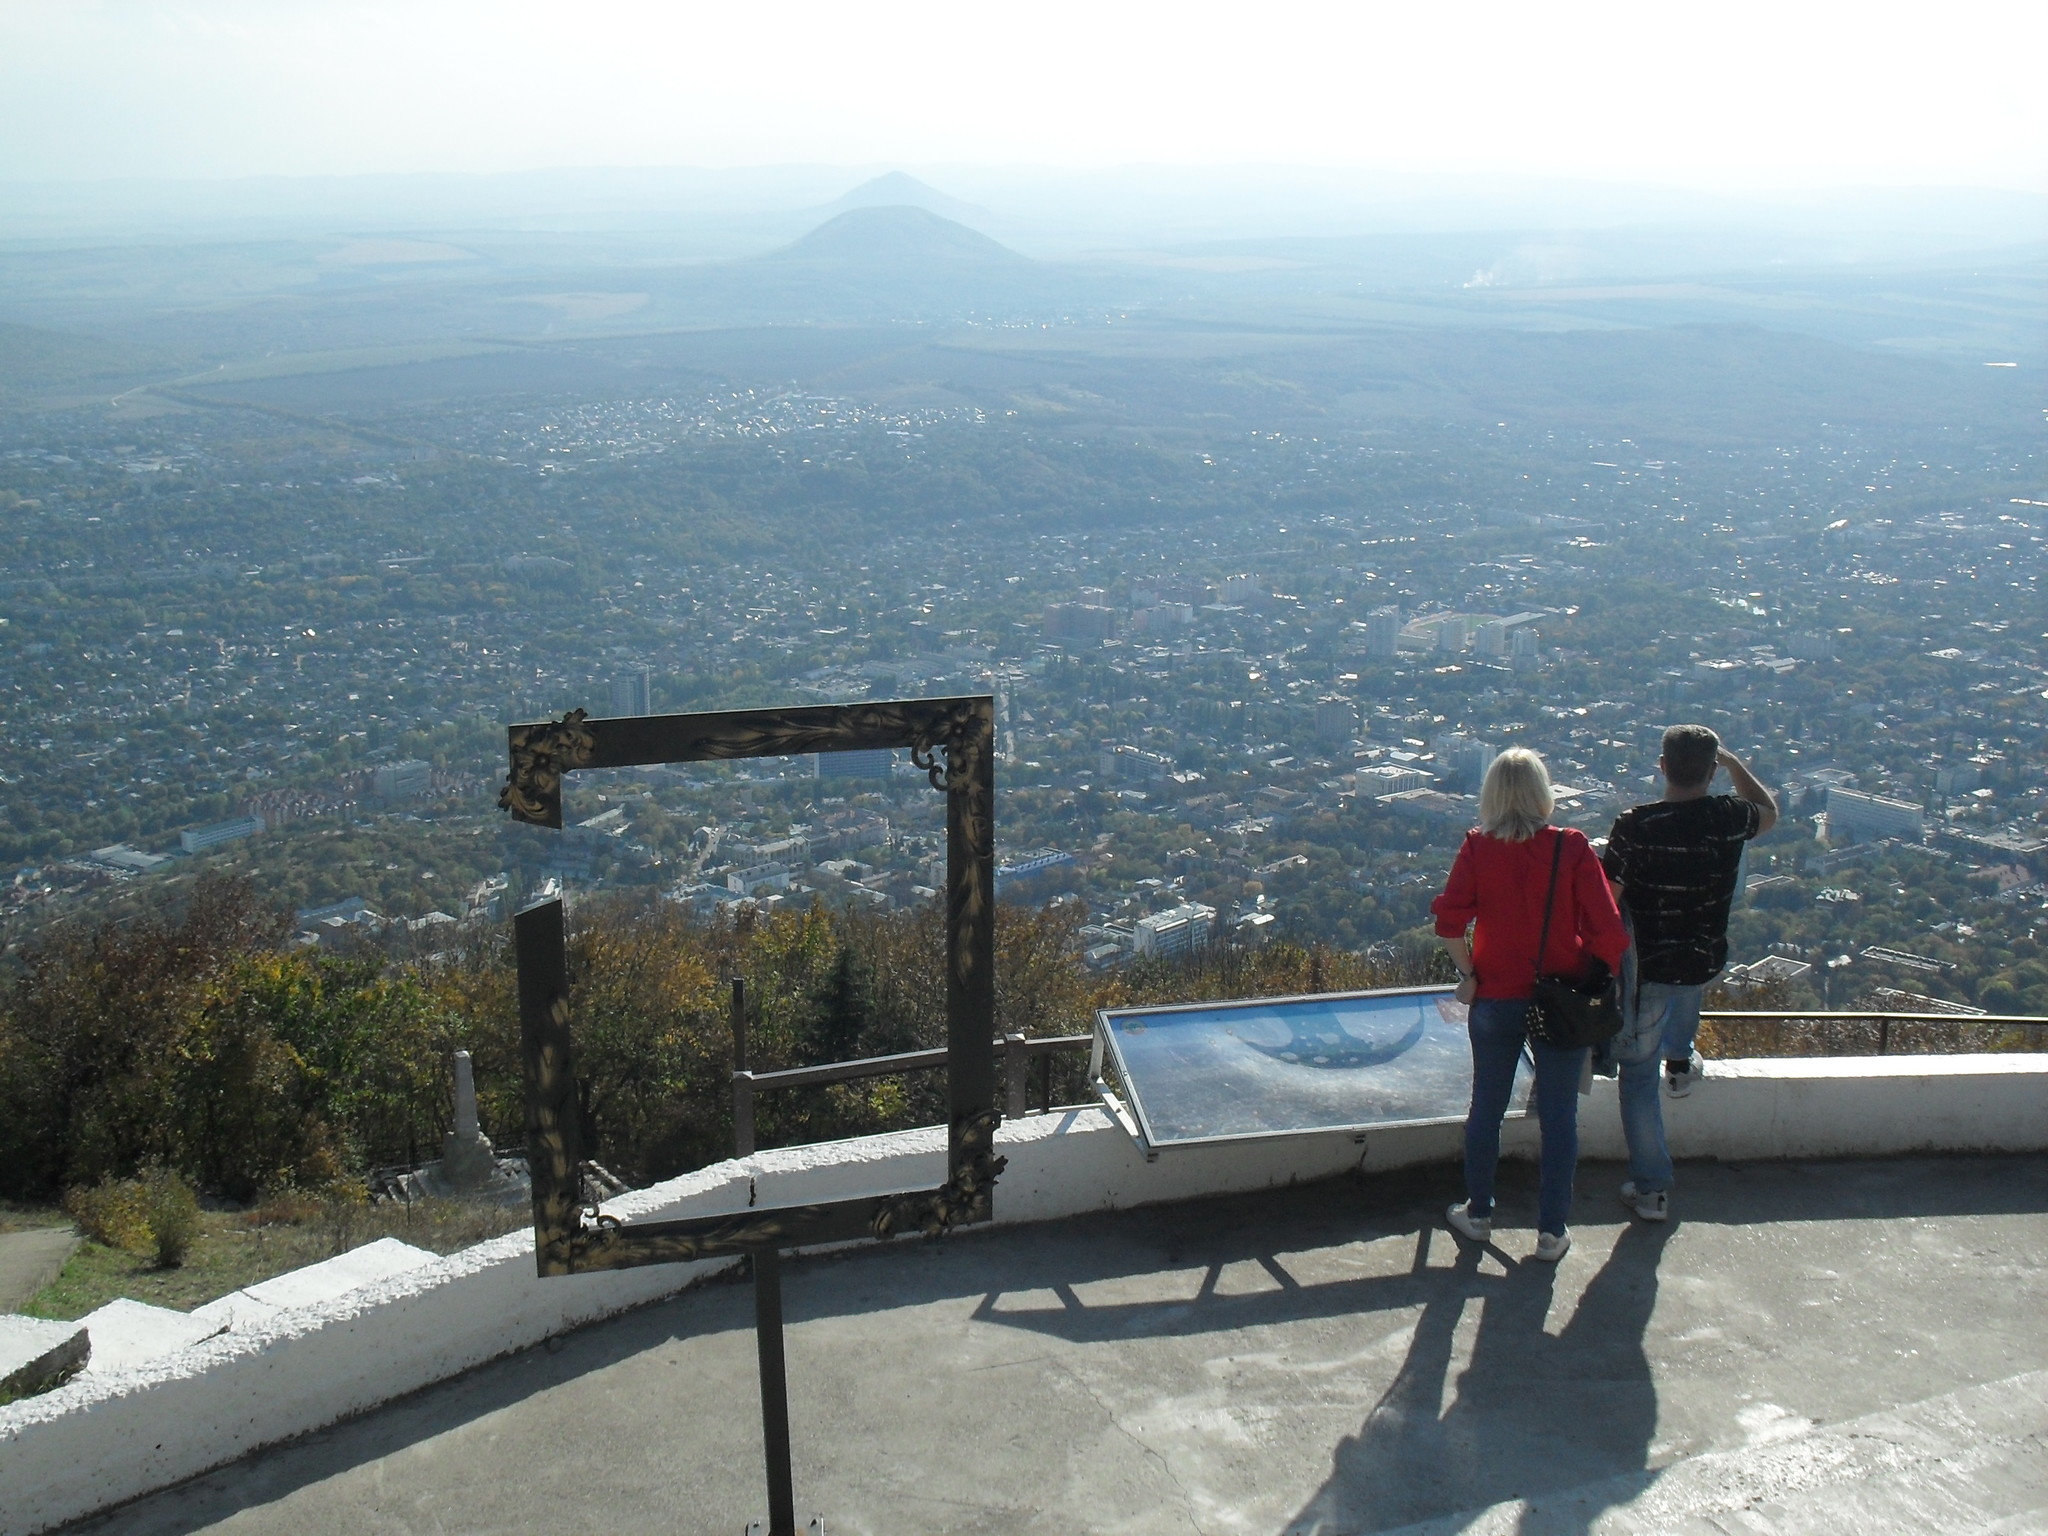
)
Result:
{"points": [[437, 373], [1742, 380], [1648, 330], [342, 360]]}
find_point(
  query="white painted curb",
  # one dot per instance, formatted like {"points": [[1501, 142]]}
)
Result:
{"points": [[1853, 1106], [106, 1438]]}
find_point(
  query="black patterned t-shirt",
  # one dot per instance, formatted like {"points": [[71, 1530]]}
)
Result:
{"points": [[1677, 862]]}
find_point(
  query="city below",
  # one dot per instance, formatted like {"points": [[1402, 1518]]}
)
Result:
{"points": [[1267, 718]]}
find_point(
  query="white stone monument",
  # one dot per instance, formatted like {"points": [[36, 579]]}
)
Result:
{"points": [[467, 1160]]}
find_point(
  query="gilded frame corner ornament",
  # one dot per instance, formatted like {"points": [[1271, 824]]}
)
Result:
{"points": [[541, 753], [572, 1238]]}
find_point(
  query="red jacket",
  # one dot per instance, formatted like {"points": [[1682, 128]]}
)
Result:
{"points": [[1500, 886]]}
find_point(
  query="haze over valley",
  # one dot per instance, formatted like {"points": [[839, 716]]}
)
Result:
{"points": [[303, 513]]}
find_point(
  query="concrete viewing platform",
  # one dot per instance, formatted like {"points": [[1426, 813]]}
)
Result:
{"points": [[1808, 1346]]}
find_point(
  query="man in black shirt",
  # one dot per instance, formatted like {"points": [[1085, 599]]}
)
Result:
{"points": [[1673, 864]]}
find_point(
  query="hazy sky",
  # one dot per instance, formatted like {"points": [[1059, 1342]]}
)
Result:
{"points": [[1730, 95]]}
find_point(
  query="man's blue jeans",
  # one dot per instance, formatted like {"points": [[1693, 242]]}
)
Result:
{"points": [[1659, 1023], [1498, 1027]]}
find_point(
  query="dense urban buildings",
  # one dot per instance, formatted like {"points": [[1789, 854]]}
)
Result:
{"points": [[1298, 742]]}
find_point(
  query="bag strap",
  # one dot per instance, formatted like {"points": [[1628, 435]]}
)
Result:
{"points": [[1549, 900]]}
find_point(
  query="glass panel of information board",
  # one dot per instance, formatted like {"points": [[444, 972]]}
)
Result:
{"points": [[1351, 1061]]}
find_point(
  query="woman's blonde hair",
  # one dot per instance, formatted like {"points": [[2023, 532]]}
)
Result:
{"points": [[1515, 802]]}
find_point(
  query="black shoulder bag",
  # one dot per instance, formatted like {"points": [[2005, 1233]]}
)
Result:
{"points": [[1567, 1013]]}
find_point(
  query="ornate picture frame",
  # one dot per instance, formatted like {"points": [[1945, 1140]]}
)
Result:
{"points": [[573, 1238]]}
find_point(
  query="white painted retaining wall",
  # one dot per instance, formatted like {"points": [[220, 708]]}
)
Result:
{"points": [[1859, 1106], [104, 1439]]}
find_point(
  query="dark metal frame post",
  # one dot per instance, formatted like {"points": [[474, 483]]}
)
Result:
{"points": [[553, 1141], [969, 781], [570, 1238], [774, 1391]]}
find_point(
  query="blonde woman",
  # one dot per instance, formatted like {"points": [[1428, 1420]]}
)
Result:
{"points": [[1497, 890]]}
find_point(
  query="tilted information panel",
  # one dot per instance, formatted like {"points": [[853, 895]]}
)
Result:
{"points": [[1195, 1073]]}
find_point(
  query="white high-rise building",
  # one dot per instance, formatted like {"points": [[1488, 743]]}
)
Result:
{"points": [[220, 832], [865, 763], [1813, 645], [1336, 719], [1181, 931], [632, 693], [1383, 633], [402, 780], [1957, 778], [1390, 779], [1854, 817]]}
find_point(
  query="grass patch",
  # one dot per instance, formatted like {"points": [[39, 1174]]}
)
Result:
{"points": [[237, 1249]]}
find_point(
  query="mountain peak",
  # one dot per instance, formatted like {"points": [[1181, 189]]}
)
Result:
{"points": [[896, 236], [899, 189]]}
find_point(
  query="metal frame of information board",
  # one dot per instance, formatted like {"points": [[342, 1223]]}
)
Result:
{"points": [[1126, 1101]]}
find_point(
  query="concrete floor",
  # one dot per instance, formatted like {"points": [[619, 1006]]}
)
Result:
{"points": [[1320, 1360]]}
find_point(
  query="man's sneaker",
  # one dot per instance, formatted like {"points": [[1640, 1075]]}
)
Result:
{"points": [[1654, 1206], [1551, 1246], [1466, 1225], [1679, 1076]]}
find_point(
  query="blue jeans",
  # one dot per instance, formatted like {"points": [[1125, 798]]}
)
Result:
{"points": [[1659, 1021], [1498, 1027]]}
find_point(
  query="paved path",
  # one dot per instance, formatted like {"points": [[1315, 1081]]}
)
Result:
{"points": [[31, 1260], [1810, 1347]]}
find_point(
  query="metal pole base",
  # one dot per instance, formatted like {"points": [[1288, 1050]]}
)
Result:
{"points": [[774, 1390], [815, 1528]]}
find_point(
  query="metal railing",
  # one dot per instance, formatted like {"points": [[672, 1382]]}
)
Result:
{"points": [[1017, 1053], [1781, 1018]]}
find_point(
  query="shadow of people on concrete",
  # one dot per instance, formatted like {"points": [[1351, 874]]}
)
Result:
{"points": [[1533, 1413]]}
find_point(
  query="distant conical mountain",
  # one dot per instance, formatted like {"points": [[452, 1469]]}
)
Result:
{"points": [[900, 190], [885, 264], [900, 240]]}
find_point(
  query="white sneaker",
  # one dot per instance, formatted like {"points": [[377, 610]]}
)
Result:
{"points": [[1477, 1228], [1655, 1206], [1552, 1246], [1678, 1080]]}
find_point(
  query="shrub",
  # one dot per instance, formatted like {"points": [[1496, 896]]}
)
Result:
{"points": [[113, 1212], [344, 1210], [155, 1214], [172, 1211]]}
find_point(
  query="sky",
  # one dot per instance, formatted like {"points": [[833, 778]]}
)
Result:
{"points": [[1734, 96]]}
